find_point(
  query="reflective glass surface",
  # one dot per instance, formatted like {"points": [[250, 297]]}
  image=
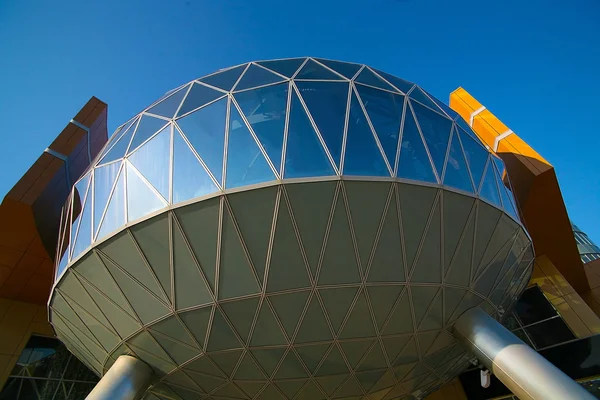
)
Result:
{"points": [[260, 122], [46, 370]]}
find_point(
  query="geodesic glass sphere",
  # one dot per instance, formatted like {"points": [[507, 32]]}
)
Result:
{"points": [[298, 228]]}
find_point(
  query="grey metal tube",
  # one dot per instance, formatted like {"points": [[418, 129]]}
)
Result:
{"points": [[526, 373], [127, 379]]}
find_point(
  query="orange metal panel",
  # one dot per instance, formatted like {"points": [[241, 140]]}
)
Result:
{"points": [[535, 187]]}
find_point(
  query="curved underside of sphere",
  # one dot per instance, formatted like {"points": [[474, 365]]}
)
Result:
{"points": [[341, 286]]}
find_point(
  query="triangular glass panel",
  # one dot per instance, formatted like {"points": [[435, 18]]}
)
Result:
{"points": [[241, 314], [457, 209], [141, 200], [420, 96], [368, 77], [414, 162], [205, 130], [198, 96], [311, 205], [374, 360], [197, 322], [400, 320], [476, 156], [447, 110], [452, 298], [393, 346], [251, 388], [248, 369], [251, 210], [339, 264], [355, 350], [313, 327], [385, 112], [83, 224], [270, 393], [224, 79], [388, 261], [203, 242], [326, 103], [221, 336], [333, 363], [72, 290], [287, 269], [315, 71], [290, 368], [120, 320], [508, 201], [504, 232], [265, 110], [456, 173], [144, 341], [312, 355], [178, 352], [152, 237], [190, 179], [190, 287], [359, 323], [487, 220], [208, 383], [268, 358], [266, 330], [422, 297], [147, 127], [104, 180], [344, 68], [91, 269], [302, 140], [382, 300], [337, 302], [331, 383], [153, 161], [114, 216], [434, 318], [489, 187], [236, 276], [246, 164], [363, 156], [227, 360], [119, 147], [460, 268], [436, 131], [416, 203], [173, 328], [289, 308], [400, 84], [169, 106], [257, 76], [147, 307], [428, 267], [290, 388], [287, 67], [122, 250]]}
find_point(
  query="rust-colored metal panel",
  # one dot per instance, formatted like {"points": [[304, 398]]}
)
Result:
{"points": [[535, 187], [30, 211]]}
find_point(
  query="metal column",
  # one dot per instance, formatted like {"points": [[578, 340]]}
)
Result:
{"points": [[127, 379], [526, 373]]}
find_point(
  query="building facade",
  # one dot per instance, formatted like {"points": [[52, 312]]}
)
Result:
{"points": [[301, 229]]}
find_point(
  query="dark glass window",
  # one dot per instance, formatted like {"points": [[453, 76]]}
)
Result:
{"points": [[534, 307], [46, 370], [550, 332]]}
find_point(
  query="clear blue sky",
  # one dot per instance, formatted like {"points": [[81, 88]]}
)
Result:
{"points": [[533, 63]]}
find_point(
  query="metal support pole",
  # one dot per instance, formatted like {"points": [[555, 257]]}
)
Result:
{"points": [[127, 379], [526, 373]]}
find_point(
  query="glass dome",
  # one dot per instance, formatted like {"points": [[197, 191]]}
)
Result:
{"points": [[268, 121]]}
